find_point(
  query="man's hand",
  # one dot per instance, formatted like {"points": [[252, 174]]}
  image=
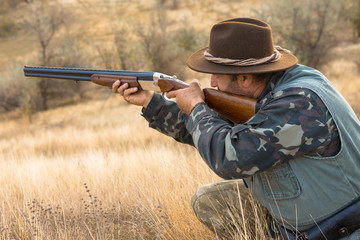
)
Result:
{"points": [[133, 95], [187, 98]]}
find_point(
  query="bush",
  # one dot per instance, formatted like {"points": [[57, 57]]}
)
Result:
{"points": [[310, 29], [165, 46], [16, 91], [7, 26], [355, 16]]}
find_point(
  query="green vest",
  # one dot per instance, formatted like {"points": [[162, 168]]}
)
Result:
{"points": [[307, 190]]}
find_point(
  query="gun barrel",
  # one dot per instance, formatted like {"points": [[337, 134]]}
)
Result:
{"points": [[80, 74]]}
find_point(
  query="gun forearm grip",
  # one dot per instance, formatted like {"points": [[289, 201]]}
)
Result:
{"points": [[108, 80]]}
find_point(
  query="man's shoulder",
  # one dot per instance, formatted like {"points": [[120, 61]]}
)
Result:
{"points": [[290, 94], [301, 81], [301, 75]]}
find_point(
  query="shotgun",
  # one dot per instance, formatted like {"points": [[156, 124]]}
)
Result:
{"points": [[237, 109]]}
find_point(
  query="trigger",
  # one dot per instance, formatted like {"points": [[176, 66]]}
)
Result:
{"points": [[166, 98]]}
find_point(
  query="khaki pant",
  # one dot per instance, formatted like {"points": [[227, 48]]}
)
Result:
{"points": [[228, 209]]}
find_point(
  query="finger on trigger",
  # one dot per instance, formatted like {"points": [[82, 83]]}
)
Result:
{"points": [[171, 94]]}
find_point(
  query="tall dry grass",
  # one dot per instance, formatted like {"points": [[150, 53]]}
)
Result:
{"points": [[96, 171]]}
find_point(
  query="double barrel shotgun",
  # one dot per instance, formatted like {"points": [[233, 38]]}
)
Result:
{"points": [[235, 108]]}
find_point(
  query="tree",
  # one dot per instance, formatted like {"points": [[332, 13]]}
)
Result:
{"points": [[355, 17], [44, 19], [166, 46], [8, 23], [310, 29], [154, 39]]}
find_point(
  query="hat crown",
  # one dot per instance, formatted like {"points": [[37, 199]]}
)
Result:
{"points": [[241, 46], [241, 38]]}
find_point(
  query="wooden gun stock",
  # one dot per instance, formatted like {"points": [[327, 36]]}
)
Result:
{"points": [[237, 109]]}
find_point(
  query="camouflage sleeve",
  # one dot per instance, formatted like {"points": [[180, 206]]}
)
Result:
{"points": [[167, 118], [290, 123]]}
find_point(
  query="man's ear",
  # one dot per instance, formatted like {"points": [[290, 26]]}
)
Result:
{"points": [[245, 80]]}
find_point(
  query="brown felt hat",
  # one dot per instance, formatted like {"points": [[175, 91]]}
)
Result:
{"points": [[240, 39]]}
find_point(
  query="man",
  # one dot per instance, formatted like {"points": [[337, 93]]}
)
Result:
{"points": [[298, 154]]}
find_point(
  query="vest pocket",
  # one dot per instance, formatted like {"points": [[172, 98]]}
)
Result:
{"points": [[280, 182]]}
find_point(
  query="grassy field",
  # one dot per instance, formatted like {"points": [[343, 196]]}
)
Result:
{"points": [[94, 170]]}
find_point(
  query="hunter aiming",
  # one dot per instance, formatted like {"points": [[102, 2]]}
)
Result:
{"points": [[298, 154]]}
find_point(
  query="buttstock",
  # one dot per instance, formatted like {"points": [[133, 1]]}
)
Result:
{"points": [[237, 109], [108, 80]]}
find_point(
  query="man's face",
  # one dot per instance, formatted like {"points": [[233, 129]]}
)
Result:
{"points": [[226, 83], [245, 85]]}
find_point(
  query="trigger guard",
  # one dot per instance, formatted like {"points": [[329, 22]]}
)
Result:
{"points": [[166, 98]]}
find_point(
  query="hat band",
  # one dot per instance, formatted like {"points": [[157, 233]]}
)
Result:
{"points": [[246, 62]]}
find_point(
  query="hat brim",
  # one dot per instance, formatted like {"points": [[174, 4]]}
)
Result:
{"points": [[197, 62]]}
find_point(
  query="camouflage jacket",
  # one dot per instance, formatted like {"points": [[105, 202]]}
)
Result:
{"points": [[284, 127]]}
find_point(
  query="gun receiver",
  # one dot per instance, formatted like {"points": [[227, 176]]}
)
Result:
{"points": [[237, 109]]}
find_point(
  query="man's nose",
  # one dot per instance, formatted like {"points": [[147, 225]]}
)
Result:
{"points": [[214, 82]]}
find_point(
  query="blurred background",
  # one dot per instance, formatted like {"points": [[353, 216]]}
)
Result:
{"points": [[154, 35]]}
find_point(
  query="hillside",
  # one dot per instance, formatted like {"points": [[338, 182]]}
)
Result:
{"points": [[134, 35], [92, 20]]}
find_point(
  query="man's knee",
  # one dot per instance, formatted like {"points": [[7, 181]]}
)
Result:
{"points": [[220, 206]]}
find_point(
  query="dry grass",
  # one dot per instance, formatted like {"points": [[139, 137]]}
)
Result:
{"points": [[57, 169], [96, 171]]}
